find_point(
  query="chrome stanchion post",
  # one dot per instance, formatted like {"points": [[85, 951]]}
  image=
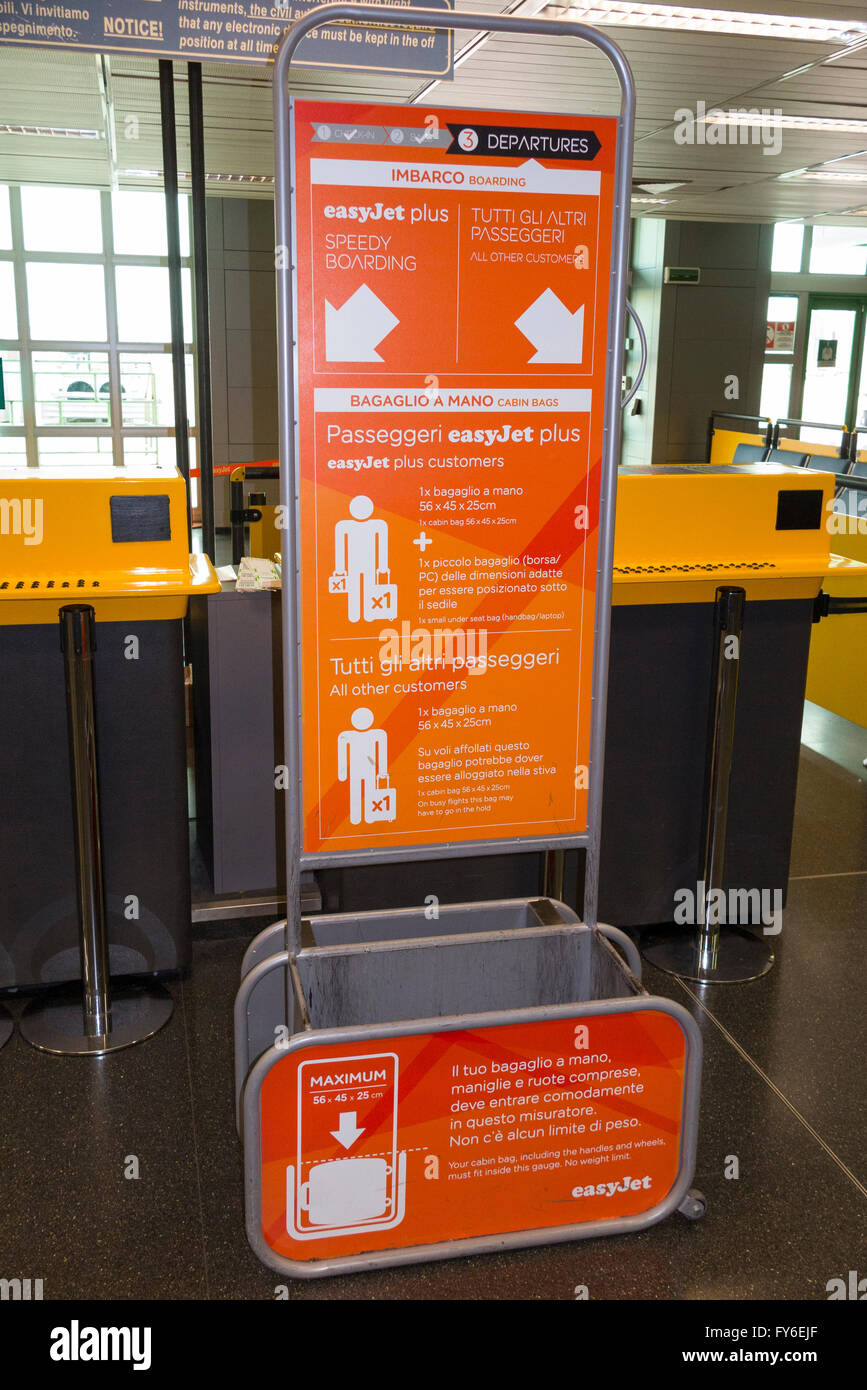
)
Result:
{"points": [[720, 954], [78, 642], [729, 624], [97, 1024]]}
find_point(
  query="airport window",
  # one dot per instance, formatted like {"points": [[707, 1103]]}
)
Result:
{"points": [[776, 389], [85, 325], [8, 316], [833, 330], [788, 246], [66, 301], [143, 314], [157, 448], [782, 320], [60, 449], [139, 224], [782, 323], [838, 251], [61, 219], [147, 388], [5, 221], [12, 411], [71, 388]]}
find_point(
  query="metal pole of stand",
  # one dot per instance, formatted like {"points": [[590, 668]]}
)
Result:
{"points": [[97, 1024], [552, 877], [721, 953]]}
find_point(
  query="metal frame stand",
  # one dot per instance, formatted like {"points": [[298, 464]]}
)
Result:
{"points": [[97, 1024], [284, 948], [205, 451], [296, 858], [720, 954], [553, 865]]}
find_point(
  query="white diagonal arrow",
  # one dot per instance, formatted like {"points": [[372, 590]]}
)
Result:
{"points": [[347, 1131], [353, 331], [556, 334]]}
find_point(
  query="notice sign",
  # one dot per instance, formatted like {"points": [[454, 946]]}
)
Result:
{"points": [[826, 355], [452, 294], [780, 336], [226, 31], [444, 1136]]}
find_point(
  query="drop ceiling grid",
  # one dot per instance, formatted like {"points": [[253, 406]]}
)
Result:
{"points": [[797, 149], [807, 9], [672, 70]]}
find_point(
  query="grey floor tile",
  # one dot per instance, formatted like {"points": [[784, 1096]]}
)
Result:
{"points": [[835, 738], [800, 1023], [830, 833], [232, 1269], [792, 1220], [69, 1215], [779, 1231]]}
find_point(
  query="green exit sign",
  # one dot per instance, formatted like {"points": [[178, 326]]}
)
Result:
{"points": [[682, 275]]}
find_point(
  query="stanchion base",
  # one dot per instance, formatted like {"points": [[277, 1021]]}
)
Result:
{"points": [[6, 1026], [56, 1025], [741, 957]]}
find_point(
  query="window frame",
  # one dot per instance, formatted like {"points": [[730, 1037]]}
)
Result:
{"points": [[26, 346]]}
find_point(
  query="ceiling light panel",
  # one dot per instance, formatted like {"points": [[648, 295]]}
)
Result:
{"points": [[707, 21]]}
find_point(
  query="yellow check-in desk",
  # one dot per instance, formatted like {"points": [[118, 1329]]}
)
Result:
{"points": [[685, 529], [114, 540], [681, 532], [837, 674]]}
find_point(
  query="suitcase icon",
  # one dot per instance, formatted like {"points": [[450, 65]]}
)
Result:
{"points": [[380, 801], [380, 599]]}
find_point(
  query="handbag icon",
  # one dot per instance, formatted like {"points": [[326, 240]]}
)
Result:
{"points": [[380, 598], [380, 801]]}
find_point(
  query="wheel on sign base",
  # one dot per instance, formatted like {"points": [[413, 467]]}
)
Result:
{"points": [[694, 1205]]}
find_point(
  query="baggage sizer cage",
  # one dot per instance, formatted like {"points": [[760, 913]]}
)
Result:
{"points": [[543, 973], [363, 1009]]}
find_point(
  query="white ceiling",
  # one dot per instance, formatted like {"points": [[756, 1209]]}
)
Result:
{"points": [[731, 182]]}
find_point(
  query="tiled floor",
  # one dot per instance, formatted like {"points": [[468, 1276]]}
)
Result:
{"points": [[784, 1091], [838, 739]]}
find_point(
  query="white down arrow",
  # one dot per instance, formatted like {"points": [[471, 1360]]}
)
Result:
{"points": [[556, 334], [347, 1131], [353, 331]]}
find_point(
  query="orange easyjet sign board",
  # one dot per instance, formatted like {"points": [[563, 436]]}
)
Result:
{"points": [[427, 1137], [452, 279]]}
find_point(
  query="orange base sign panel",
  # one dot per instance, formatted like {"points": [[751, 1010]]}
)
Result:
{"points": [[452, 273], [392, 1142]]}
